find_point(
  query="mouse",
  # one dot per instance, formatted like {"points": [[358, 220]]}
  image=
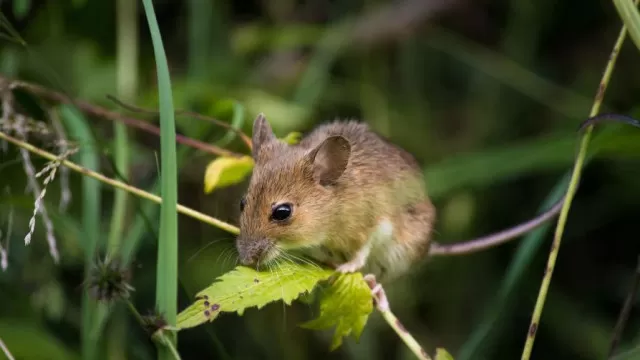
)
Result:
{"points": [[346, 197], [342, 196]]}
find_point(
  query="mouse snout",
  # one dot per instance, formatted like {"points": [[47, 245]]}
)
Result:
{"points": [[252, 251]]}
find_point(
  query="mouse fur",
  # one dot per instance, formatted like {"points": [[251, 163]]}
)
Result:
{"points": [[358, 202]]}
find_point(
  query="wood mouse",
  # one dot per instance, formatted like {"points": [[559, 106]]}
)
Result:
{"points": [[343, 196], [347, 197]]}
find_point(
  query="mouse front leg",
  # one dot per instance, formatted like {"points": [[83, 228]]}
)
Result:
{"points": [[382, 233], [357, 262]]}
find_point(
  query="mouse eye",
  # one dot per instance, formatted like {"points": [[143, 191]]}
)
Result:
{"points": [[243, 203], [281, 212]]}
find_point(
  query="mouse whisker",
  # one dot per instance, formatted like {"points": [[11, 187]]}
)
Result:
{"points": [[291, 256], [202, 249]]}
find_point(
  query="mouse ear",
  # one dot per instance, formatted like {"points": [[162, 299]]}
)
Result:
{"points": [[329, 159], [262, 133]]}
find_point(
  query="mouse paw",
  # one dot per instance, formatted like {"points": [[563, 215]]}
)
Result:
{"points": [[352, 266], [356, 263]]}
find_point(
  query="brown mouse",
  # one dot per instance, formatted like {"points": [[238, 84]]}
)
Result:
{"points": [[347, 197], [342, 196]]}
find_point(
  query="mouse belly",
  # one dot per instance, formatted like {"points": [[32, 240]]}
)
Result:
{"points": [[398, 243]]}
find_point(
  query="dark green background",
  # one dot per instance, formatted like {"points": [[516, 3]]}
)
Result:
{"points": [[486, 94]]}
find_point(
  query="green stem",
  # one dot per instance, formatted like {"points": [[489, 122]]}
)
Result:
{"points": [[120, 185], [408, 339], [573, 184], [127, 59]]}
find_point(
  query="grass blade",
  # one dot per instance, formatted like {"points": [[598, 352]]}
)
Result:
{"points": [[79, 130], [628, 12], [167, 267]]}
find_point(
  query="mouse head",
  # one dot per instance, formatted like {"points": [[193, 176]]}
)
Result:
{"points": [[291, 194]]}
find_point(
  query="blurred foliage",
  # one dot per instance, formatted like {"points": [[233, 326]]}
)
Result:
{"points": [[486, 94]]}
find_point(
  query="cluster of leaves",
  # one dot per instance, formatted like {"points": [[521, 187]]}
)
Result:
{"points": [[345, 301]]}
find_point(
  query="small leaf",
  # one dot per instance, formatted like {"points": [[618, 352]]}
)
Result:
{"points": [[346, 304], [442, 354], [225, 171], [292, 138], [245, 287]]}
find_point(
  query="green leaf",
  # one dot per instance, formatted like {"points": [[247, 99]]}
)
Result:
{"points": [[292, 138], [346, 304], [225, 171], [442, 354], [628, 12], [244, 287]]}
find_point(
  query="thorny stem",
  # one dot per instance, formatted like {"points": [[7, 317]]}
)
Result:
{"points": [[120, 185], [573, 184], [101, 112], [624, 312], [6, 351]]}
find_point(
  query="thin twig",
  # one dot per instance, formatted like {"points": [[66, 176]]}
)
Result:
{"points": [[624, 312], [120, 185], [573, 184], [6, 351], [101, 112], [192, 114], [406, 336]]}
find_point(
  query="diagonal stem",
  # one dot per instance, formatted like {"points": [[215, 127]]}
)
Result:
{"points": [[6, 351], [573, 184], [120, 185]]}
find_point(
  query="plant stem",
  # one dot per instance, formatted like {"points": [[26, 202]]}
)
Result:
{"points": [[6, 351], [408, 339], [573, 184], [120, 185]]}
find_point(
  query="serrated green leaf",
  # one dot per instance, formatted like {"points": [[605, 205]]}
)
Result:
{"points": [[345, 304], [292, 138], [225, 171], [245, 287], [442, 354]]}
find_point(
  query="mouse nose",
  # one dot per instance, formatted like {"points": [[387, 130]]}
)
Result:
{"points": [[250, 251], [247, 259]]}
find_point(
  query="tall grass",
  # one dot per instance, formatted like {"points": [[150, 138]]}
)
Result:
{"points": [[88, 157], [167, 266]]}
